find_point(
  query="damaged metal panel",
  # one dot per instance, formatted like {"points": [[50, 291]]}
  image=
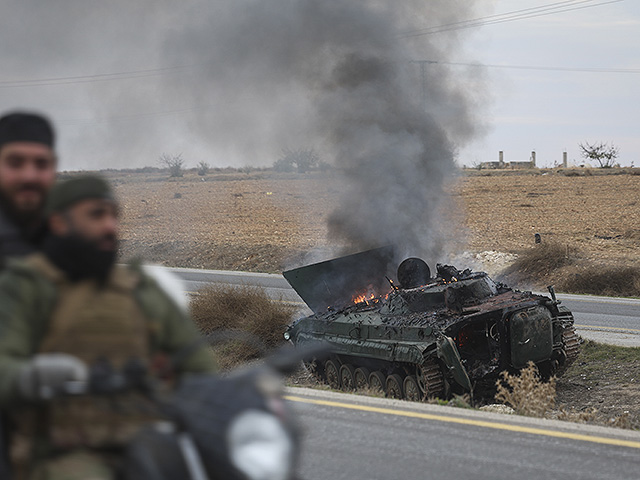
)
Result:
{"points": [[531, 336]]}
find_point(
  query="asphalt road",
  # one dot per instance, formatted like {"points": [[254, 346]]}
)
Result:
{"points": [[353, 437], [604, 319], [365, 438]]}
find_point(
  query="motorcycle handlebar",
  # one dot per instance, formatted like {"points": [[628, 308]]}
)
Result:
{"points": [[287, 359], [106, 380]]}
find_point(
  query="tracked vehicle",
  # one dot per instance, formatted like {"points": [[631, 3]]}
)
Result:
{"points": [[414, 336]]}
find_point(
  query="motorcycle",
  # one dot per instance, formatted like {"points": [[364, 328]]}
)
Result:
{"points": [[234, 427]]}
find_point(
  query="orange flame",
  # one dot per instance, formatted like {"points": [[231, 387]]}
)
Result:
{"points": [[363, 298], [368, 298]]}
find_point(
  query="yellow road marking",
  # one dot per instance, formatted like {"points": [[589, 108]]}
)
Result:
{"points": [[466, 421], [599, 327]]}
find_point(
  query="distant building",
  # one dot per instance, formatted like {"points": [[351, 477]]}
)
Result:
{"points": [[516, 164]]}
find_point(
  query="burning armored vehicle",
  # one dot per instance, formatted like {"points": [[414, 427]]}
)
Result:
{"points": [[424, 336]]}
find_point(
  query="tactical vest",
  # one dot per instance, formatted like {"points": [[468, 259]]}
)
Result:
{"points": [[92, 322]]}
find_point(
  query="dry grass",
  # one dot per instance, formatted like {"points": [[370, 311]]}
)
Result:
{"points": [[526, 393], [245, 309], [590, 415], [565, 267], [541, 261], [587, 415], [623, 281]]}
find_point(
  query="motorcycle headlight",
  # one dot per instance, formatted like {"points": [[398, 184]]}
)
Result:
{"points": [[260, 446]]}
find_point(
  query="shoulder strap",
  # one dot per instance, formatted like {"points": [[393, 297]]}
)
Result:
{"points": [[40, 277], [40, 264]]}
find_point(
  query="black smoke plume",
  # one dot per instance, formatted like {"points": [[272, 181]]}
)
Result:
{"points": [[341, 76]]}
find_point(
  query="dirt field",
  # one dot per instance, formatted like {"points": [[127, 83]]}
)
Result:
{"points": [[262, 221], [598, 214], [251, 222]]}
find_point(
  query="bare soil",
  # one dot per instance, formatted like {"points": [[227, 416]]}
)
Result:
{"points": [[596, 214], [263, 221], [250, 222]]}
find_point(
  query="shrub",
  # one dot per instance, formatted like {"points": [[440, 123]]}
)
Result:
{"points": [[247, 309], [621, 281], [303, 159], [541, 261], [526, 393], [284, 164], [174, 163]]}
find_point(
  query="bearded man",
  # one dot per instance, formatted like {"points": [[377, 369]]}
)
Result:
{"points": [[27, 173]]}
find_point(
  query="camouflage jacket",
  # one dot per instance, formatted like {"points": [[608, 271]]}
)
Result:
{"points": [[28, 300]]}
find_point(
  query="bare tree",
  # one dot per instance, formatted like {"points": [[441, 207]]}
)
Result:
{"points": [[203, 168], [174, 163], [601, 152]]}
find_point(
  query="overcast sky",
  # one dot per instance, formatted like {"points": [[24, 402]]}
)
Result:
{"points": [[549, 110]]}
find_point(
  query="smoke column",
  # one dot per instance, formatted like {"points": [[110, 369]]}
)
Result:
{"points": [[337, 75]]}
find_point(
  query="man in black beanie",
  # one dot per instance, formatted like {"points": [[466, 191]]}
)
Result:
{"points": [[27, 172]]}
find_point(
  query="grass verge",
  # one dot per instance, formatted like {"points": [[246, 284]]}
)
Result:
{"points": [[552, 263], [602, 387]]}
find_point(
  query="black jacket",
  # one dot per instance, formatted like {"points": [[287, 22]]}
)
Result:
{"points": [[13, 241]]}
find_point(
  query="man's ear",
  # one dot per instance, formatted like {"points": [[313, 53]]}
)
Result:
{"points": [[58, 225]]}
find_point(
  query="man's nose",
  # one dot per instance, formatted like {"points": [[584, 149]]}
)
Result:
{"points": [[110, 225], [30, 172]]}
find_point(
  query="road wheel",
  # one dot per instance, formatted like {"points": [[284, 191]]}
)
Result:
{"points": [[411, 390], [377, 382], [361, 378], [347, 377], [331, 374], [394, 386]]}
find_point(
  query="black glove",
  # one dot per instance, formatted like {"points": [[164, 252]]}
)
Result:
{"points": [[47, 374]]}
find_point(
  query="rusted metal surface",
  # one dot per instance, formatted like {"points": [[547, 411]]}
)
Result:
{"points": [[462, 321]]}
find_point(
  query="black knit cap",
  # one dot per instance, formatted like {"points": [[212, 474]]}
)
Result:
{"points": [[64, 194], [26, 127]]}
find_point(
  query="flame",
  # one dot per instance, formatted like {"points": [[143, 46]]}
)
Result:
{"points": [[368, 298], [363, 298]]}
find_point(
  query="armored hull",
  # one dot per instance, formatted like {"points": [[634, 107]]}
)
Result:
{"points": [[431, 337]]}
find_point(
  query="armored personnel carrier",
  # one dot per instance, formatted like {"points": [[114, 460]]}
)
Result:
{"points": [[421, 336]]}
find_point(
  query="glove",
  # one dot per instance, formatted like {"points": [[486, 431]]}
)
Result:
{"points": [[46, 374]]}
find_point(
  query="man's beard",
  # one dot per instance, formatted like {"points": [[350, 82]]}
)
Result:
{"points": [[79, 258], [25, 219]]}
